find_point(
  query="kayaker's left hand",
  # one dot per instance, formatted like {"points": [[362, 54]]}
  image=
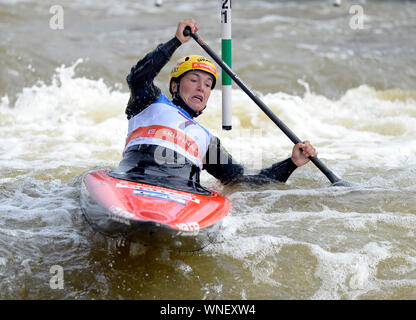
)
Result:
{"points": [[301, 153]]}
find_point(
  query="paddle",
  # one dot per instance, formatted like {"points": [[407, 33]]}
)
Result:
{"points": [[336, 181]]}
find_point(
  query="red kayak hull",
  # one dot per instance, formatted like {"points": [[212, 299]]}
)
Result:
{"points": [[149, 214]]}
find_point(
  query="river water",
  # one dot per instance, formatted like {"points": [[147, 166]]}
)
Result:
{"points": [[347, 85]]}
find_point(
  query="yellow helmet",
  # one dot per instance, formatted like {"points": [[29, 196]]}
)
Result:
{"points": [[193, 62]]}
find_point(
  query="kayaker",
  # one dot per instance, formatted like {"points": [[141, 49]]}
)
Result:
{"points": [[165, 145]]}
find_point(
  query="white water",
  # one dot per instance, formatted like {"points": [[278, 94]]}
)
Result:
{"points": [[304, 239], [351, 93]]}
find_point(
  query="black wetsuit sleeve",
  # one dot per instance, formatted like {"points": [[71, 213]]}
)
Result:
{"points": [[220, 164], [143, 92]]}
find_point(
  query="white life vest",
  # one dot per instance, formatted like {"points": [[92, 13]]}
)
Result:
{"points": [[165, 124]]}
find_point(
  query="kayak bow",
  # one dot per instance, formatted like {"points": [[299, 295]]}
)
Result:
{"points": [[150, 214]]}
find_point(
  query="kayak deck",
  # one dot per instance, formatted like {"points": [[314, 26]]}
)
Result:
{"points": [[149, 214]]}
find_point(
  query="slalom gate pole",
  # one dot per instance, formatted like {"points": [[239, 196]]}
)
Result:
{"points": [[226, 41]]}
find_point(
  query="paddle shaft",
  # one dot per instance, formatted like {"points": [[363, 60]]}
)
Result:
{"points": [[315, 160]]}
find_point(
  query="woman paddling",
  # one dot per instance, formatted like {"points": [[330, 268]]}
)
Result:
{"points": [[165, 145]]}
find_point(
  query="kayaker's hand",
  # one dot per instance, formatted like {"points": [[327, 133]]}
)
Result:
{"points": [[301, 153], [182, 25]]}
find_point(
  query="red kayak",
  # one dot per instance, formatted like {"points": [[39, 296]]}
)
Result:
{"points": [[150, 214]]}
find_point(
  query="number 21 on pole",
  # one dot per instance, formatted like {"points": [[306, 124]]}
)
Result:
{"points": [[226, 4]]}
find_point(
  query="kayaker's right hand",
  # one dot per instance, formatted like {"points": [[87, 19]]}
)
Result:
{"points": [[301, 153], [182, 25]]}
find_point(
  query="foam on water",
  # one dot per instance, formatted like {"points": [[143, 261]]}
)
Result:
{"points": [[347, 254], [64, 123], [76, 121], [340, 238], [362, 125]]}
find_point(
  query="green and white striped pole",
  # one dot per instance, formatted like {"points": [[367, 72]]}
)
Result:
{"points": [[226, 57]]}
